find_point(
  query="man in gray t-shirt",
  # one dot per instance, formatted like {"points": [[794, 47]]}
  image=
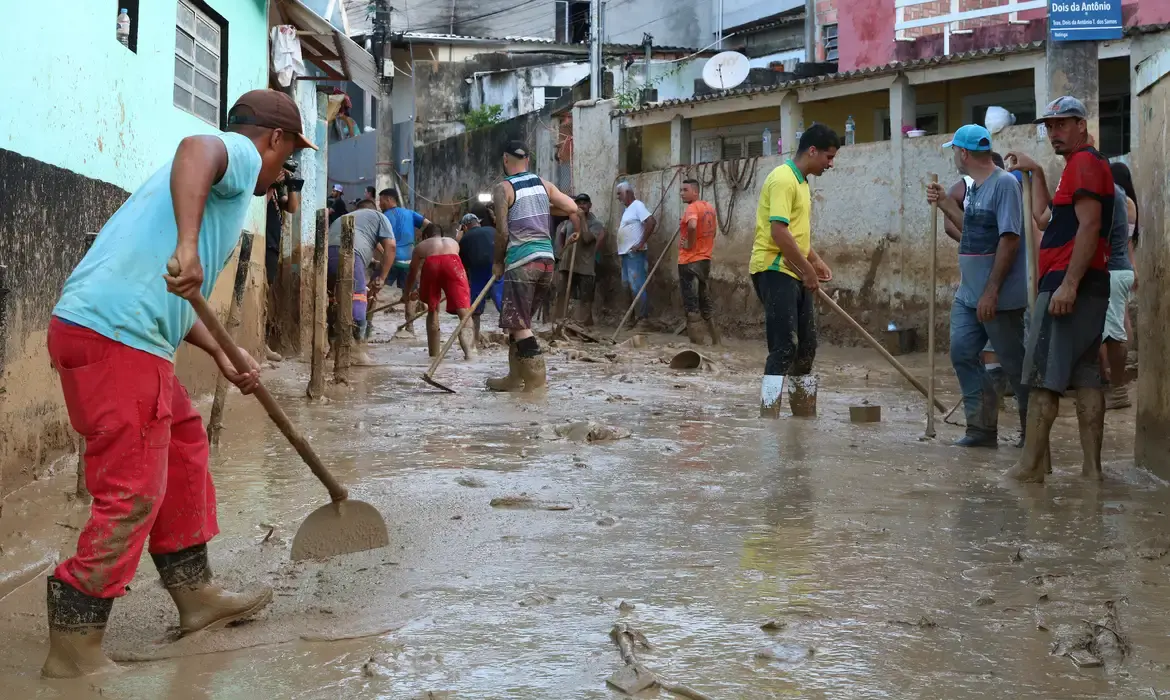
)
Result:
{"points": [[992, 298], [370, 230]]}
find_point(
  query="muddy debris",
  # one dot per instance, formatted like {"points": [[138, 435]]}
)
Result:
{"points": [[923, 622], [607, 521], [584, 431], [526, 502], [1153, 548], [534, 599], [471, 481], [1046, 579], [984, 599], [774, 626], [786, 654], [634, 677]]}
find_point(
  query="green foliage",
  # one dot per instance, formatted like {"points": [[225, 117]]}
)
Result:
{"points": [[487, 115]]}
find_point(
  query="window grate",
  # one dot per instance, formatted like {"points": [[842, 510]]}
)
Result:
{"points": [[198, 63], [829, 37]]}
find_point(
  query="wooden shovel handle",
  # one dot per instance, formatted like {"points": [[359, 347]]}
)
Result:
{"points": [[877, 346], [203, 310], [462, 322]]}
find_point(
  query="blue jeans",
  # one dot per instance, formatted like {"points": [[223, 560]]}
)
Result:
{"points": [[968, 338], [634, 273]]}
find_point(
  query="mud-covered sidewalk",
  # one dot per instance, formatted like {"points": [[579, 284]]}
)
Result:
{"points": [[809, 558]]}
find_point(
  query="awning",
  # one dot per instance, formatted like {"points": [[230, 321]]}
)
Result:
{"points": [[338, 56]]}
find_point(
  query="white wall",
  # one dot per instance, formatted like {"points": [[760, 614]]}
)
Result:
{"points": [[521, 91]]}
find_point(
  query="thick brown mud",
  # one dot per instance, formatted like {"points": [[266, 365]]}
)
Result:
{"points": [[811, 557]]}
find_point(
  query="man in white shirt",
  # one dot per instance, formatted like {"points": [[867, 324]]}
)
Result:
{"points": [[637, 226]]}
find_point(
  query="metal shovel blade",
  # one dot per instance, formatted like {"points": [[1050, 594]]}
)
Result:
{"points": [[431, 380], [340, 528]]}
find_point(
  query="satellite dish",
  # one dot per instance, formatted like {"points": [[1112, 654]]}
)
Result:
{"points": [[726, 70]]}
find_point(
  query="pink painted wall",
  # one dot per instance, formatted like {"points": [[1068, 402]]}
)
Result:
{"points": [[866, 31]]}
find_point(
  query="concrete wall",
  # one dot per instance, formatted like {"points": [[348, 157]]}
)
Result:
{"points": [[1152, 181], [84, 121], [870, 222], [522, 91], [452, 172]]}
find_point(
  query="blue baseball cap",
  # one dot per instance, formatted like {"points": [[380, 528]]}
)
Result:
{"points": [[971, 137]]}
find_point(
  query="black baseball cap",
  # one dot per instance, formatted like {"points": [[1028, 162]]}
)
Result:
{"points": [[516, 149], [583, 198]]}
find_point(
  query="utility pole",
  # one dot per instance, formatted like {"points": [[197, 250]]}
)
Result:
{"points": [[648, 44], [595, 39], [1072, 70], [384, 168], [810, 31]]}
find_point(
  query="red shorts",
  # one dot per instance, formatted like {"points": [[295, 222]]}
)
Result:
{"points": [[145, 458], [444, 274]]}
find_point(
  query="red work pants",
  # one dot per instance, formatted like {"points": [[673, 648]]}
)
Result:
{"points": [[145, 458]]}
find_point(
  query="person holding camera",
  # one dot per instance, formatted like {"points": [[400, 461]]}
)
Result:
{"points": [[283, 196]]}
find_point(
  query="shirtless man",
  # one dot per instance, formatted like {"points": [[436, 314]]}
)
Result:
{"points": [[436, 259]]}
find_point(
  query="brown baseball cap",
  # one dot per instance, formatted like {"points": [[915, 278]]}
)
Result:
{"points": [[270, 109]]}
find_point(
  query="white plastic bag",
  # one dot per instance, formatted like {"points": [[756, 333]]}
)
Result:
{"points": [[286, 54], [997, 118]]}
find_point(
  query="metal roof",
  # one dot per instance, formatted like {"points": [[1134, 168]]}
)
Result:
{"points": [[552, 44], [859, 74], [780, 19], [329, 49]]}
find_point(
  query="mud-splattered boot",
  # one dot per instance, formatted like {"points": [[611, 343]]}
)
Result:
{"points": [[513, 381], [77, 624], [802, 395], [713, 331], [533, 372], [694, 330], [186, 575], [584, 314], [771, 392]]}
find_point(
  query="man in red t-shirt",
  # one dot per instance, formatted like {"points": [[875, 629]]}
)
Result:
{"points": [[696, 241], [1069, 316]]}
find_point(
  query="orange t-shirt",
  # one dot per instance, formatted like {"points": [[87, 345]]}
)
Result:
{"points": [[703, 214]]}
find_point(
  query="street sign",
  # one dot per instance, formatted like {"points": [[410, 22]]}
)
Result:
{"points": [[1084, 20]]}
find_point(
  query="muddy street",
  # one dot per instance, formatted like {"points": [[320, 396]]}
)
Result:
{"points": [[802, 558]]}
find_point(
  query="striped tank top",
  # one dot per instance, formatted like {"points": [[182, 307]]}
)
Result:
{"points": [[529, 222]]}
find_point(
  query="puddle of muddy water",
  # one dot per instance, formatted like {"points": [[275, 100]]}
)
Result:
{"points": [[707, 522]]}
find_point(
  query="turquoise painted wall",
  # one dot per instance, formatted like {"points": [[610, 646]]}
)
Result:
{"points": [[72, 96], [312, 163]]}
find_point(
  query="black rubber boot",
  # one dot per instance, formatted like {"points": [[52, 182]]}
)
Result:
{"points": [[77, 625], [978, 439], [186, 575]]}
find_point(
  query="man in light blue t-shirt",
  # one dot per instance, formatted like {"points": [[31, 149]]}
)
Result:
{"points": [[992, 298], [404, 222], [112, 340]]}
